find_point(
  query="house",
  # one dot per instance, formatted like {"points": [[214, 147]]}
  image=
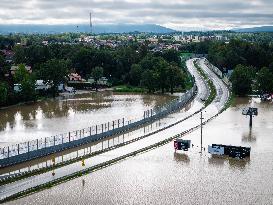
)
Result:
{"points": [[74, 77], [45, 43], [101, 81], [9, 55], [40, 85], [17, 87], [14, 68]]}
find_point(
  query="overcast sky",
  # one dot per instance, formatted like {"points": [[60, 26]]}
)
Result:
{"points": [[178, 14]]}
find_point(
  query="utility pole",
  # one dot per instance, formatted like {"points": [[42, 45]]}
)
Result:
{"points": [[91, 25], [201, 118], [250, 111]]}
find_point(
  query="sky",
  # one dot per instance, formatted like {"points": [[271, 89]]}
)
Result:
{"points": [[176, 14]]}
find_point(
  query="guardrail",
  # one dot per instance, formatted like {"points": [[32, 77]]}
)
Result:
{"points": [[41, 147], [219, 73]]}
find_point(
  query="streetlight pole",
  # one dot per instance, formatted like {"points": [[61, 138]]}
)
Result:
{"points": [[201, 118]]}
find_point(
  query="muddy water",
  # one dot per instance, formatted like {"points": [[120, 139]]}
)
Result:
{"points": [[164, 177], [50, 117]]}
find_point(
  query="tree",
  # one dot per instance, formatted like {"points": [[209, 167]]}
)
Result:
{"points": [[241, 79], [27, 83], [54, 72], [161, 71], [270, 67], [135, 74], [3, 93], [19, 55], [97, 73], [171, 56], [21, 73], [175, 77], [148, 80], [2, 60], [264, 81]]}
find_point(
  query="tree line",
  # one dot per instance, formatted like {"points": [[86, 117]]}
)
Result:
{"points": [[248, 56], [251, 62], [131, 64]]}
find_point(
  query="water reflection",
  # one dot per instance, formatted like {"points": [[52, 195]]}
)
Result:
{"points": [[215, 160], [65, 113], [181, 157], [249, 136], [238, 163]]}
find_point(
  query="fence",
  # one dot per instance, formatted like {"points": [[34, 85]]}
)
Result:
{"points": [[219, 73], [41, 147]]}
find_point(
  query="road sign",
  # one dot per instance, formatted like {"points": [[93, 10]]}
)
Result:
{"points": [[180, 144], [245, 111], [250, 111], [253, 111]]}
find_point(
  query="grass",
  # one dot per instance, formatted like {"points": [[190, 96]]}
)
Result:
{"points": [[212, 94], [186, 55], [128, 89]]}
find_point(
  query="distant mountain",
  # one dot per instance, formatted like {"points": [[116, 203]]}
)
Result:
{"points": [[103, 28], [255, 29]]}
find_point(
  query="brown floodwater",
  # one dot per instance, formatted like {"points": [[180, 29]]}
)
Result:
{"points": [[55, 116], [162, 176]]}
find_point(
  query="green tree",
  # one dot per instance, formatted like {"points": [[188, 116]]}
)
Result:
{"points": [[21, 73], [264, 81], [27, 83], [135, 74], [160, 70], [175, 77], [171, 56], [148, 80], [3, 93], [54, 72], [270, 67], [241, 79], [19, 55], [97, 73]]}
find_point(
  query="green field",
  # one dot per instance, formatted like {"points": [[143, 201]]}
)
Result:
{"points": [[186, 55]]}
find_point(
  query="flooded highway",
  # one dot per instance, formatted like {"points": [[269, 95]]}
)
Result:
{"points": [[24, 184], [162, 176], [169, 170]]}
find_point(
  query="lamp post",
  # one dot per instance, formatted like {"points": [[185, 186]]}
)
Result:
{"points": [[201, 118]]}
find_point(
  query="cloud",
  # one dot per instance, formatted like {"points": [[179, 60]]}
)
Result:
{"points": [[213, 14]]}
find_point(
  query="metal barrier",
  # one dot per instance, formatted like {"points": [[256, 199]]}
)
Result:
{"points": [[41, 147]]}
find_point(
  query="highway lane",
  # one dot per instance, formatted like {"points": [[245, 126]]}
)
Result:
{"points": [[221, 89], [24, 184], [203, 91]]}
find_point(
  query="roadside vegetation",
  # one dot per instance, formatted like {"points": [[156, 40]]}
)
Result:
{"points": [[247, 59]]}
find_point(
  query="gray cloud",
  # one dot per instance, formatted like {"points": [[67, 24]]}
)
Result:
{"points": [[173, 13]]}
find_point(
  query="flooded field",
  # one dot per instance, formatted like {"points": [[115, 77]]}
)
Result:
{"points": [[50, 117], [162, 176]]}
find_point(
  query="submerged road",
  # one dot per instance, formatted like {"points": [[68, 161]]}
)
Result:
{"points": [[211, 110]]}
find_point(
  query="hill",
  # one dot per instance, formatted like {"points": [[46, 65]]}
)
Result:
{"points": [[255, 29], [103, 28]]}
